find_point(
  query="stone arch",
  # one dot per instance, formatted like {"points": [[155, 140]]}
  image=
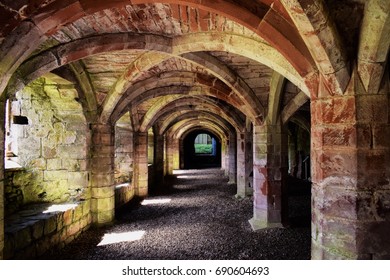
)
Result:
{"points": [[273, 24], [190, 158], [174, 83], [184, 105], [173, 118], [374, 48], [321, 37], [79, 49]]}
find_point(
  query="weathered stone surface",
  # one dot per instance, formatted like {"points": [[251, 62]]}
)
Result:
{"points": [[50, 225], [135, 59], [37, 229]]}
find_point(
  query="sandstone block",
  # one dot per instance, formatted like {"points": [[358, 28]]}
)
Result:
{"points": [[77, 213], [73, 228], [37, 229], [50, 225], [22, 238], [103, 192], [54, 164], [68, 217], [86, 205]]}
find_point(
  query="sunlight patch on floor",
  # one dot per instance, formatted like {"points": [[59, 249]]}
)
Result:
{"points": [[112, 238], [155, 201]]}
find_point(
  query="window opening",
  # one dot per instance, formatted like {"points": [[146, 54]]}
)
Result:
{"points": [[204, 144]]}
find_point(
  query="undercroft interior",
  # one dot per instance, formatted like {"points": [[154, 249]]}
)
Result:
{"points": [[153, 121]]}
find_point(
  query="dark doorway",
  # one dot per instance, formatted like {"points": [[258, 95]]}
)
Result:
{"points": [[202, 149]]}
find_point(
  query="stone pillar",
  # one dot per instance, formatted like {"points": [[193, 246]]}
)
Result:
{"points": [[123, 154], [169, 155], [2, 140], [224, 155], [350, 173], [244, 164], [102, 174], [158, 160], [176, 155], [181, 153], [173, 158], [232, 159], [270, 172], [140, 164]]}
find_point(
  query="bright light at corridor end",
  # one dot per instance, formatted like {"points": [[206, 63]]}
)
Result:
{"points": [[155, 201], [112, 238]]}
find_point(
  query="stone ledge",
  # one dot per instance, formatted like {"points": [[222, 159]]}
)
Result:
{"points": [[50, 224]]}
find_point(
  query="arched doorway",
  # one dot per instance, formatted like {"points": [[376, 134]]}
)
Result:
{"points": [[201, 149]]}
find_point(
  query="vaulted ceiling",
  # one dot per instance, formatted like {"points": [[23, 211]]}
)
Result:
{"points": [[213, 61]]}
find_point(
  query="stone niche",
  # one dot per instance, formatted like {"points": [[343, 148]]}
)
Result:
{"points": [[47, 148]]}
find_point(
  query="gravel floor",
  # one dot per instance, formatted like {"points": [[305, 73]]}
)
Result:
{"points": [[202, 220]]}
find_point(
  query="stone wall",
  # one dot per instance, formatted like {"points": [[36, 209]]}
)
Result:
{"points": [[124, 193], [123, 154], [124, 189], [36, 230], [52, 148], [13, 195]]}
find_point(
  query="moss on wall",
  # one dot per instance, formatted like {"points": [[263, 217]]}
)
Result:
{"points": [[52, 148]]}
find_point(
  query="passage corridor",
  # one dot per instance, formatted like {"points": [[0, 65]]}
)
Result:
{"points": [[197, 218]]}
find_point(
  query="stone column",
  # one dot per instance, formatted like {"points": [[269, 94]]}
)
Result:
{"points": [[158, 160], [176, 154], [244, 163], [270, 171], [224, 155], [181, 153], [102, 174], [169, 155], [350, 173], [140, 164], [232, 159], [2, 140], [173, 159]]}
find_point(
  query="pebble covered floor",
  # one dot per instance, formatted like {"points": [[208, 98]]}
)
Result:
{"points": [[198, 218]]}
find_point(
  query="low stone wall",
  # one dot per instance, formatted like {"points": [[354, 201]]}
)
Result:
{"points": [[123, 194], [36, 229], [13, 194], [31, 232]]}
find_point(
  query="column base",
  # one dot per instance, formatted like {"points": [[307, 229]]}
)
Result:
{"points": [[259, 224], [103, 218]]}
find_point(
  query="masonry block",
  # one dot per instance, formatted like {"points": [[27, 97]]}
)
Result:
{"points": [[333, 162], [73, 228], [50, 225], [102, 204], [86, 207], [340, 110], [340, 202], [101, 180], [373, 108], [68, 217], [22, 238], [37, 229], [102, 192], [77, 213], [103, 217], [373, 160], [381, 136]]}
